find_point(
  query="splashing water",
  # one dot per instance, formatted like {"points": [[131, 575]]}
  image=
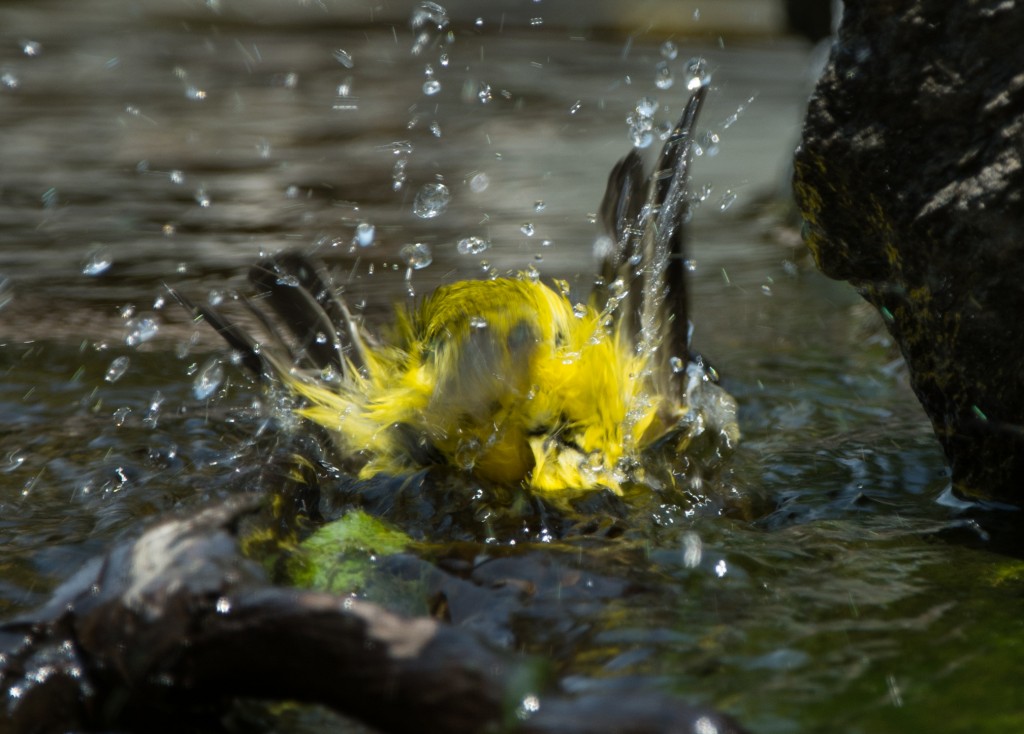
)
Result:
{"points": [[428, 21], [117, 369], [208, 380], [417, 255], [344, 58], [365, 233], [98, 262], [431, 201], [140, 331], [697, 73], [472, 245], [663, 77]]}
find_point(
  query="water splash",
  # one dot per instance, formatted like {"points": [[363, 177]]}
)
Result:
{"points": [[208, 379], [117, 369], [98, 261], [431, 85], [140, 331], [344, 58], [365, 234], [697, 73], [428, 20], [398, 175], [663, 76], [472, 245], [431, 201], [479, 182], [417, 255]]}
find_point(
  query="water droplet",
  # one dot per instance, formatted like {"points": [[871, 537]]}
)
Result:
{"points": [[709, 142], [121, 415], [117, 369], [479, 182], [50, 198], [195, 94], [539, 206], [398, 174], [288, 280], [575, 107], [536, 21], [478, 322], [431, 200], [697, 73], [641, 138], [663, 78], [527, 229], [417, 256], [8, 80], [263, 148], [431, 86], [546, 243], [223, 605], [344, 58], [177, 177], [669, 51], [345, 88], [478, 23], [208, 380], [140, 330], [435, 129], [31, 48], [677, 364], [472, 245], [428, 20], [579, 310], [365, 233], [202, 198], [98, 261], [153, 414], [727, 200], [646, 106], [484, 93]]}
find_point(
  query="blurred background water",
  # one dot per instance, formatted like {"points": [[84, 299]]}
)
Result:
{"points": [[145, 143]]}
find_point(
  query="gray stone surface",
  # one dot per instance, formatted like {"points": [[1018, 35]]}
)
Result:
{"points": [[910, 180]]}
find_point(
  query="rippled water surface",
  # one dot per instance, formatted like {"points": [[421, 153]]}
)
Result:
{"points": [[149, 144]]}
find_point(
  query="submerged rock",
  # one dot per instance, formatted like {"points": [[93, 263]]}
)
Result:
{"points": [[910, 180]]}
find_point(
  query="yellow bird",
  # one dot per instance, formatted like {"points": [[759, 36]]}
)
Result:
{"points": [[507, 378]]}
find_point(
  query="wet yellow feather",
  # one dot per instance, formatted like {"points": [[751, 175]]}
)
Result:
{"points": [[502, 377]]}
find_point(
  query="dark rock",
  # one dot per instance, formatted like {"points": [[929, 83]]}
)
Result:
{"points": [[910, 180]]}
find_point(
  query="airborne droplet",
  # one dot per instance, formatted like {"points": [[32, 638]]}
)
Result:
{"points": [[417, 256], [431, 201], [98, 261], [472, 245], [208, 379], [117, 369]]}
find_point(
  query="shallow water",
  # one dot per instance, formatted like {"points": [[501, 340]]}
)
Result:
{"points": [[178, 145]]}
